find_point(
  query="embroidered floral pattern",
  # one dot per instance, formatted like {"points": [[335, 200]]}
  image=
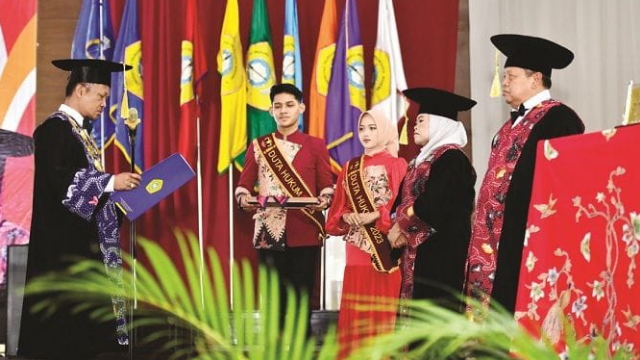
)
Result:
{"points": [[571, 299]]}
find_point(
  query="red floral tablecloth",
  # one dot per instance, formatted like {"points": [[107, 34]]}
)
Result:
{"points": [[582, 240]]}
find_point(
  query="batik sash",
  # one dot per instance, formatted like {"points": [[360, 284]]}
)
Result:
{"points": [[362, 203], [290, 181], [83, 199]]}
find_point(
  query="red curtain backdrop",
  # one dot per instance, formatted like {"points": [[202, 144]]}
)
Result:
{"points": [[428, 35], [581, 250]]}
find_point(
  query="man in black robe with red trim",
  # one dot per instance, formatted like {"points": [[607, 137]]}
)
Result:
{"points": [[495, 250]]}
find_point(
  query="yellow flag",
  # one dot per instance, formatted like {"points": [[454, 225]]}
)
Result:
{"points": [[233, 95]]}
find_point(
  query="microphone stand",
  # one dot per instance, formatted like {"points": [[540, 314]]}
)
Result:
{"points": [[132, 125]]}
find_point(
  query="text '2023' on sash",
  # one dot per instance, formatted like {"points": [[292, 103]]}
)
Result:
{"points": [[362, 202], [290, 180]]}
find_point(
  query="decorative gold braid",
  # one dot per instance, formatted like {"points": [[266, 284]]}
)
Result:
{"points": [[87, 141]]}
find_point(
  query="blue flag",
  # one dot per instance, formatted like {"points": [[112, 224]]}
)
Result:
{"points": [[94, 40], [87, 43], [291, 58], [346, 98], [126, 87]]}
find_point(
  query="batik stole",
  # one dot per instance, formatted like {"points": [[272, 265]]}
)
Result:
{"points": [[83, 196], [277, 177], [362, 203], [413, 228], [506, 148]]}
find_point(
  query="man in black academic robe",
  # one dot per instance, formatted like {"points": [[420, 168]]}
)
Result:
{"points": [[73, 219], [495, 251]]}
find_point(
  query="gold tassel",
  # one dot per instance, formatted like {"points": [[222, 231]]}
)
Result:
{"points": [[124, 104], [403, 137], [496, 88]]}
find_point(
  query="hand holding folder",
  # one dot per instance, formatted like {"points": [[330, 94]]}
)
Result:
{"points": [[157, 183]]}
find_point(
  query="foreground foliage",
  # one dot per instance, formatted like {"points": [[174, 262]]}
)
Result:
{"points": [[194, 298], [197, 302]]}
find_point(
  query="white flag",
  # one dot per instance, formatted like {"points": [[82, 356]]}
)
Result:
{"points": [[388, 75]]}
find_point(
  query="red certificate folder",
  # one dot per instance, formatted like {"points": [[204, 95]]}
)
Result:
{"points": [[283, 201], [157, 183]]}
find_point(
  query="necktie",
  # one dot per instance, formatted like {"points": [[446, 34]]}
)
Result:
{"points": [[517, 113], [87, 124]]}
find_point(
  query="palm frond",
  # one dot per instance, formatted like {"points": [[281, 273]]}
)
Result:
{"points": [[431, 331], [196, 299]]}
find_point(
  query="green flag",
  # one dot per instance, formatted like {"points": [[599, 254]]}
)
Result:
{"points": [[260, 74]]}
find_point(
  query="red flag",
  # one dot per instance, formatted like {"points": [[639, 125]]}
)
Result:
{"points": [[193, 69]]}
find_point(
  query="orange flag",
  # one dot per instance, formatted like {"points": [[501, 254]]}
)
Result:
{"points": [[321, 74]]}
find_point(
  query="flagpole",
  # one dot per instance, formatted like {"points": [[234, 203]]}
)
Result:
{"points": [[231, 233], [323, 275], [133, 304], [102, 42], [200, 220]]}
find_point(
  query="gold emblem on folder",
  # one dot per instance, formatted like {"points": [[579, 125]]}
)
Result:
{"points": [[154, 186]]}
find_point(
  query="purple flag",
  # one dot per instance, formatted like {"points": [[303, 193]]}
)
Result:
{"points": [[346, 98]]}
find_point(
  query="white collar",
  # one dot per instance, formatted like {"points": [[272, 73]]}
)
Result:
{"points": [[533, 102], [73, 113]]}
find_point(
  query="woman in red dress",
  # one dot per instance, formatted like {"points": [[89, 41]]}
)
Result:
{"points": [[362, 214]]}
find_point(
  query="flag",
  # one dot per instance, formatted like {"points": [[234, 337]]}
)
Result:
{"points": [[388, 71], [321, 73], [126, 87], [260, 71], [93, 39], [194, 68], [346, 97], [291, 59], [233, 91], [87, 43]]}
